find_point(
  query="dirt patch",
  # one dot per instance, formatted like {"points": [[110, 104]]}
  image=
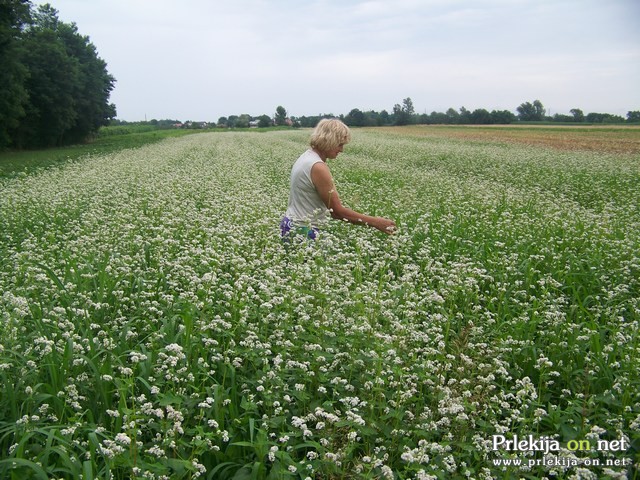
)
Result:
{"points": [[599, 139]]}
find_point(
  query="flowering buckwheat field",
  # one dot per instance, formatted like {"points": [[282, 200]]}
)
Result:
{"points": [[153, 325]]}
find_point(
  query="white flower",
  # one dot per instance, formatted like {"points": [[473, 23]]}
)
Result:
{"points": [[123, 439]]}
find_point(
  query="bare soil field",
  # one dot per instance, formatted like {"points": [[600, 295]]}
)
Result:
{"points": [[610, 139]]}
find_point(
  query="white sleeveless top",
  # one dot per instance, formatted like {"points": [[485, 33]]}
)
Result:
{"points": [[305, 205]]}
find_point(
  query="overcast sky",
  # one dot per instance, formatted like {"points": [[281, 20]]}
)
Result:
{"points": [[203, 59]]}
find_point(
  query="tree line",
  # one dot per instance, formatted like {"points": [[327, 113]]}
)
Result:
{"points": [[404, 114], [54, 88]]}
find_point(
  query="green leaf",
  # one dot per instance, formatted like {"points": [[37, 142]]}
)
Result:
{"points": [[170, 399], [37, 470], [87, 470], [242, 444], [50, 273]]}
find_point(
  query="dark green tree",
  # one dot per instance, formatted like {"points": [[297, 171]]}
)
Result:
{"points": [[531, 112], [502, 117], [355, 118], [372, 119], [403, 113], [52, 85], [384, 118], [232, 120], [480, 116], [243, 121], [561, 118], [633, 116], [67, 83], [436, 118], [465, 116], [281, 116], [452, 116], [578, 115], [309, 122], [595, 117], [407, 106], [94, 86], [264, 121], [14, 17]]}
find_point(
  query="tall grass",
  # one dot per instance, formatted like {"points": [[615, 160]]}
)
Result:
{"points": [[153, 325]]}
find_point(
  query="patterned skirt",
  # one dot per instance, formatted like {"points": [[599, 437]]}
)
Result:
{"points": [[288, 230]]}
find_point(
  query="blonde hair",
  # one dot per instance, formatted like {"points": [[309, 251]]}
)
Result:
{"points": [[329, 134]]}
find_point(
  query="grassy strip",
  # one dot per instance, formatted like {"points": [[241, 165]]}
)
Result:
{"points": [[15, 163], [109, 140]]}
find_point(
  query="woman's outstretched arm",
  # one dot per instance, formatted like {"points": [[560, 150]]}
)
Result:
{"points": [[323, 181]]}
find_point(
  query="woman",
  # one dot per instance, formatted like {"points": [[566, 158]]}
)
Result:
{"points": [[313, 195]]}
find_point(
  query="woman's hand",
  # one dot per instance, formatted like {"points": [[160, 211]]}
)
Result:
{"points": [[384, 225]]}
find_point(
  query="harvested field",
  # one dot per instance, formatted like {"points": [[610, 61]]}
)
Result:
{"points": [[609, 139]]}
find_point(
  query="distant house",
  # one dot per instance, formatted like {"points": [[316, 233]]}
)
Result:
{"points": [[287, 121], [192, 125]]}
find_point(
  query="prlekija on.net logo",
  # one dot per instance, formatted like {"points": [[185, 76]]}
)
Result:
{"points": [[551, 449], [546, 444]]}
